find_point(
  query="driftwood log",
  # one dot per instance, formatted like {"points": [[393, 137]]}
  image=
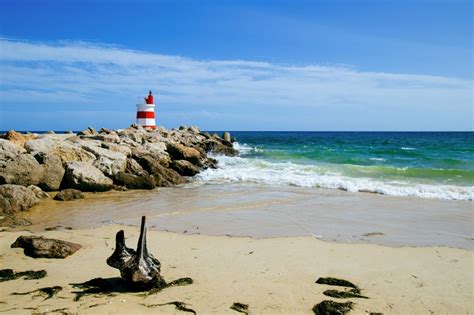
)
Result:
{"points": [[136, 266]]}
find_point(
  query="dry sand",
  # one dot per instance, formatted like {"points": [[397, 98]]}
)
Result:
{"points": [[272, 276]]}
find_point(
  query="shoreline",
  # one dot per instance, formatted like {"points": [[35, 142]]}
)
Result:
{"points": [[270, 275], [262, 211]]}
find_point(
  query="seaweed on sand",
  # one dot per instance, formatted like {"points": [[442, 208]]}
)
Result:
{"points": [[9, 274], [328, 307], [240, 307], [111, 286], [336, 282], [354, 293], [180, 306], [47, 292]]}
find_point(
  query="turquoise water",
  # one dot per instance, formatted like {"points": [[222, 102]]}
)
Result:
{"points": [[420, 164]]}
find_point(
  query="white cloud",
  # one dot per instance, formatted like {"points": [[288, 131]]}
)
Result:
{"points": [[84, 73]]}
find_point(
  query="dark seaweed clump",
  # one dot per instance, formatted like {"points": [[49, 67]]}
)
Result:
{"points": [[110, 286], [354, 293], [180, 306], [9, 274], [240, 307], [332, 308], [336, 282], [47, 292]]}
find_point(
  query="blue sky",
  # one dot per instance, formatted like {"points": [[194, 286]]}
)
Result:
{"points": [[238, 65]]}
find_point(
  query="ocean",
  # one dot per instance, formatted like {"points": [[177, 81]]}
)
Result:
{"points": [[418, 164]]}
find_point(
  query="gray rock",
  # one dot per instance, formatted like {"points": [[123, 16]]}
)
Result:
{"points": [[131, 181], [109, 162], [117, 148], [86, 177], [185, 168], [180, 152], [21, 170], [69, 152], [111, 138], [110, 167], [87, 132], [69, 194], [194, 129], [133, 167], [163, 176], [39, 193], [53, 171], [42, 247], [226, 136], [217, 147], [8, 150], [105, 130], [40, 145], [157, 148], [15, 198], [50, 132]]}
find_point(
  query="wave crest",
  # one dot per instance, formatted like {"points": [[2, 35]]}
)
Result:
{"points": [[241, 169]]}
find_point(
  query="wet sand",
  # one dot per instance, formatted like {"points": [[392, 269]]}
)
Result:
{"points": [[263, 211]]}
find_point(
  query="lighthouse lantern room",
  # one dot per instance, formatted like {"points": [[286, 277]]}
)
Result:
{"points": [[146, 112]]}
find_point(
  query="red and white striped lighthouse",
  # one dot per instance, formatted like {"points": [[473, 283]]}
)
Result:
{"points": [[146, 112]]}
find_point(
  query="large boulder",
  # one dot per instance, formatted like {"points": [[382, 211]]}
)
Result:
{"points": [[42, 247], [40, 145], [15, 198], [108, 166], [131, 181], [39, 193], [111, 138], [133, 134], [8, 150], [17, 138], [217, 147], [21, 170], [185, 168], [180, 152], [46, 143], [194, 129], [69, 194], [109, 162], [161, 156], [226, 136], [53, 171], [117, 148], [86, 177], [134, 177], [87, 132], [163, 176]]}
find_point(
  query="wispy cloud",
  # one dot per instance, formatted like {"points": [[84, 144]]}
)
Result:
{"points": [[84, 73]]}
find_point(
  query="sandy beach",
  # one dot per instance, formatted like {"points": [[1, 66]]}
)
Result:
{"points": [[270, 275]]}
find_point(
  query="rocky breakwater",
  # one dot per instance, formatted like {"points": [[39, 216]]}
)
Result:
{"points": [[132, 158]]}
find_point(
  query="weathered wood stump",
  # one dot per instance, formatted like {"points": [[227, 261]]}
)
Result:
{"points": [[136, 267]]}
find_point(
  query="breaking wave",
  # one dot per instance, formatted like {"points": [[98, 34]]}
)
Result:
{"points": [[353, 178]]}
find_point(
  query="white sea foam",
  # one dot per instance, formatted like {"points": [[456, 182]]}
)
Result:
{"points": [[241, 169], [377, 159], [408, 148], [245, 149]]}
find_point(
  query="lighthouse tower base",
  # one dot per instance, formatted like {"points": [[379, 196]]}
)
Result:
{"points": [[146, 115]]}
